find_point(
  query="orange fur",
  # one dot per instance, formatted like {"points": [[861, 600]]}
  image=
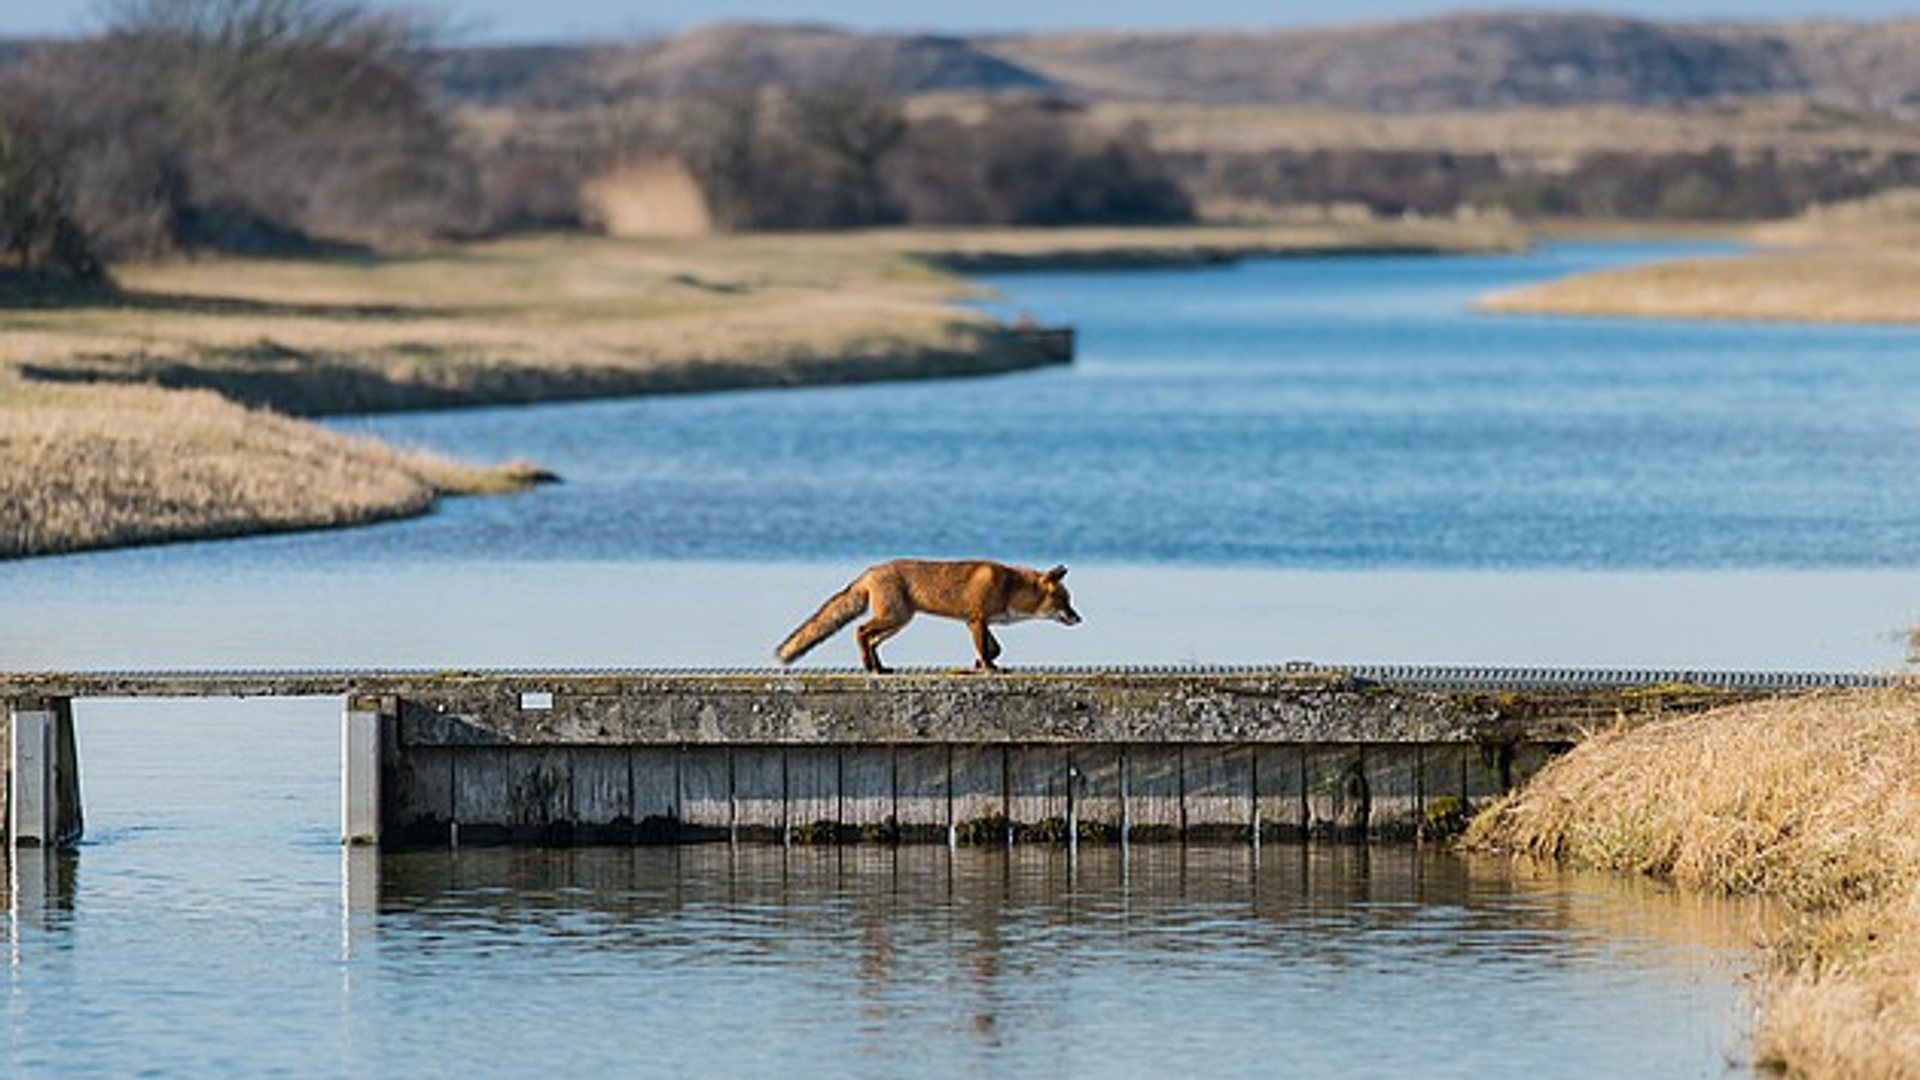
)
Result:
{"points": [[977, 592]]}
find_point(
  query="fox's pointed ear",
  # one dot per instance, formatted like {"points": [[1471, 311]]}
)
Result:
{"points": [[1056, 573]]}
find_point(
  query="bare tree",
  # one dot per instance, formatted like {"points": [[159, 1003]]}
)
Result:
{"points": [[38, 235], [721, 138], [1033, 164], [851, 125], [252, 123]]}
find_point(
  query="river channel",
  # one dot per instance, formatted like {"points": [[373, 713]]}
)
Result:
{"points": [[1321, 459]]}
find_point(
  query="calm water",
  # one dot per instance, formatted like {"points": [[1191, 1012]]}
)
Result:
{"points": [[1320, 414], [1316, 459], [213, 927], [1323, 459]]}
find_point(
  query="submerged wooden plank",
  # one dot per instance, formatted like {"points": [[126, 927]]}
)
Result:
{"points": [[1336, 789], [1217, 792], [923, 791], [603, 786], [706, 793], [654, 776], [1393, 789], [1037, 781], [1098, 811], [1281, 790], [1488, 770], [980, 794], [417, 796], [760, 793], [1153, 791], [813, 794], [542, 791], [1443, 773], [867, 792], [482, 793]]}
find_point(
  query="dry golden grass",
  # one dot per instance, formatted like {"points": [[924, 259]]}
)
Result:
{"points": [[648, 198], [1809, 799], [1173, 244], [1889, 218], [1828, 285], [1853, 262], [109, 466], [1542, 137], [519, 321], [1545, 138], [496, 321]]}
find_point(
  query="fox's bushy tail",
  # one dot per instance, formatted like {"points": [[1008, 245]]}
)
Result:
{"points": [[840, 609]]}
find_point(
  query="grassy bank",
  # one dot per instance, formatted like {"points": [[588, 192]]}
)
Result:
{"points": [[110, 466], [1853, 263], [1809, 799], [103, 443]]}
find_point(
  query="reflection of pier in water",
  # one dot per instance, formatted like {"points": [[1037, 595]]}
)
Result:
{"points": [[1334, 906]]}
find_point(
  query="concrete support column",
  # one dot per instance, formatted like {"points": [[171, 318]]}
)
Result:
{"points": [[43, 775], [364, 733]]}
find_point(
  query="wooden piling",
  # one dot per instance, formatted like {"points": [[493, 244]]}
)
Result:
{"points": [[364, 733], [42, 786]]}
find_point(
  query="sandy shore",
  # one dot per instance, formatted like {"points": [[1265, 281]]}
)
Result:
{"points": [[95, 453], [1809, 800]]}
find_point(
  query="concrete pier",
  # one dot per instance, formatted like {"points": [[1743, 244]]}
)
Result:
{"points": [[42, 781], [1050, 756], [935, 757]]}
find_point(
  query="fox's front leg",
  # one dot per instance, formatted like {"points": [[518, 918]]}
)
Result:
{"points": [[986, 649]]}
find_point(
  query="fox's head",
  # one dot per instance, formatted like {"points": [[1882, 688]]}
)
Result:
{"points": [[1055, 603]]}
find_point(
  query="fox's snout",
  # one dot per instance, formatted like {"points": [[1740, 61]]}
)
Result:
{"points": [[1066, 616]]}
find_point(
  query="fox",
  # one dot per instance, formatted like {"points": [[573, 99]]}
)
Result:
{"points": [[978, 592]]}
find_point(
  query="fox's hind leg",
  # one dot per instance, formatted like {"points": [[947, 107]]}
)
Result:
{"points": [[870, 634]]}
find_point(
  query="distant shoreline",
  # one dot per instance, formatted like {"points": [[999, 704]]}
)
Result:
{"points": [[1855, 264]]}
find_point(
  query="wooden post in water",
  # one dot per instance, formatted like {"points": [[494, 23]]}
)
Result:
{"points": [[43, 774], [364, 733]]}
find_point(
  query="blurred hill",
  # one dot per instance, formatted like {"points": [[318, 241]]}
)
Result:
{"points": [[562, 77], [1461, 62], [1492, 62]]}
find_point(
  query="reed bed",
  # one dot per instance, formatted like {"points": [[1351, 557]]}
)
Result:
{"points": [[1808, 799], [1819, 285], [1854, 262], [111, 466]]}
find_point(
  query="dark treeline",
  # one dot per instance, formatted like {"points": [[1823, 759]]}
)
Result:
{"points": [[1710, 184], [842, 153]]}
